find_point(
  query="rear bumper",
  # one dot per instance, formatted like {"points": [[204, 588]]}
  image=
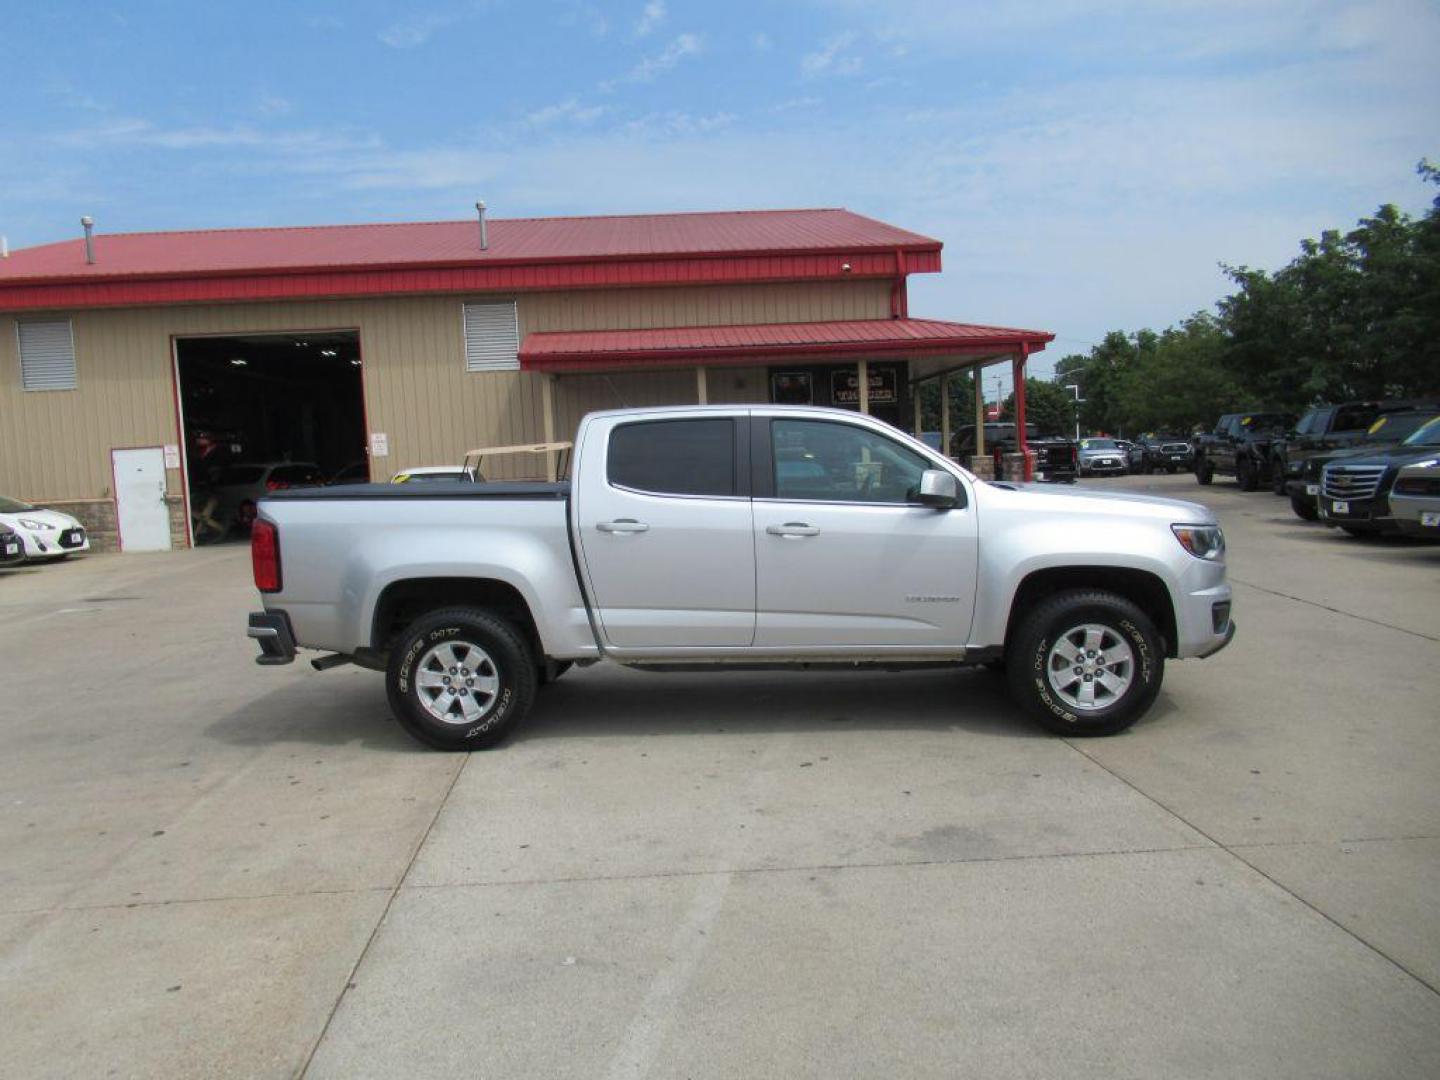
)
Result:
{"points": [[271, 631]]}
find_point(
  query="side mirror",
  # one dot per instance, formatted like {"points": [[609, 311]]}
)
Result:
{"points": [[938, 490]]}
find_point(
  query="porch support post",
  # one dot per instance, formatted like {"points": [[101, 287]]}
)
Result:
{"points": [[978, 373], [702, 390], [919, 419], [863, 370], [1017, 367], [547, 399], [945, 414]]}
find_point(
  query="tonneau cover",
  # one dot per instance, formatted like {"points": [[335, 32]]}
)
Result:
{"points": [[446, 489]]}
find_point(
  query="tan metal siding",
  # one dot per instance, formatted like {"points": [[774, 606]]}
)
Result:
{"points": [[56, 444]]}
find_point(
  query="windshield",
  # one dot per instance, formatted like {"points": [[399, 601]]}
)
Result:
{"points": [[1396, 427], [1265, 421], [1098, 444], [13, 506], [1429, 435]]}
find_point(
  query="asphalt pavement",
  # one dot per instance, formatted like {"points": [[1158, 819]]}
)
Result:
{"points": [[209, 868]]}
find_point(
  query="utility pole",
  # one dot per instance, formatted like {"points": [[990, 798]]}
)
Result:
{"points": [[1078, 402]]}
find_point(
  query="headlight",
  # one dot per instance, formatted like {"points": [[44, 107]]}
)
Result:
{"points": [[36, 526], [1202, 541]]}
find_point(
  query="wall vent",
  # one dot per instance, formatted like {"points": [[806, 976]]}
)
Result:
{"points": [[47, 355], [492, 337]]}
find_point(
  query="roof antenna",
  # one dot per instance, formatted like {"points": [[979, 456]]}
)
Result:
{"points": [[89, 225], [484, 239], [4, 247]]}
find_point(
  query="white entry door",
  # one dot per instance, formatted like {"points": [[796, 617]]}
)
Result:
{"points": [[140, 499]]}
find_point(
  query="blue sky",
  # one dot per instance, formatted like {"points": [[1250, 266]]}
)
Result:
{"points": [[1087, 164]]}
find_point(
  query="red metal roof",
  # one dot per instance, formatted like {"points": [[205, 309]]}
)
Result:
{"points": [[448, 243], [598, 349]]}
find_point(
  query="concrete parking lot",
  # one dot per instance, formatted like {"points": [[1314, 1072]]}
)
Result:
{"points": [[213, 869]]}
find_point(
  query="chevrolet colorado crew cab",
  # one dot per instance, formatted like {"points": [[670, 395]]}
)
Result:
{"points": [[704, 536]]}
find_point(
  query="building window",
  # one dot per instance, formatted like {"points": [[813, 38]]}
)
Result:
{"points": [[492, 337], [674, 457], [47, 355]]}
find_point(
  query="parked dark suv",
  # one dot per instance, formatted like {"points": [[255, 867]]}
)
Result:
{"points": [[1389, 429], [1327, 428], [1239, 446], [1354, 491]]}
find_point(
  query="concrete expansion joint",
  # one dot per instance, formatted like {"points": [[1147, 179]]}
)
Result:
{"points": [[660, 875], [60, 909], [1338, 611]]}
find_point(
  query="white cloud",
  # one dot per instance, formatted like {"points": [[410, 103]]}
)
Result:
{"points": [[791, 104], [273, 105], [650, 18], [651, 66], [568, 111], [416, 30], [761, 42], [677, 122], [832, 59]]}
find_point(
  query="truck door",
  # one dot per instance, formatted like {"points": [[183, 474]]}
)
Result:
{"points": [[662, 512], [842, 556]]}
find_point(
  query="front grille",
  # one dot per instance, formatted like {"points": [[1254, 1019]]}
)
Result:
{"points": [[72, 538], [1418, 485], [1352, 481], [1175, 448]]}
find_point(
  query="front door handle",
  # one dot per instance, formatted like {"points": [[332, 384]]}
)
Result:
{"points": [[792, 529], [622, 525]]}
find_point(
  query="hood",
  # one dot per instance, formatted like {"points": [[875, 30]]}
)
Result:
{"points": [[1395, 455], [47, 517], [1116, 503]]}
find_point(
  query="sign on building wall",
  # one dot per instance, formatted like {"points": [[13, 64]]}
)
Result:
{"points": [[845, 387], [379, 444]]}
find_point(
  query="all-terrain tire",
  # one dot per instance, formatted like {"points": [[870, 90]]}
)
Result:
{"points": [[1277, 476], [1246, 474], [1304, 510], [1040, 687], [460, 678]]}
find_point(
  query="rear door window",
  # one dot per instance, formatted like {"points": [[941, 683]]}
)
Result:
{"points": [[674, 457]]}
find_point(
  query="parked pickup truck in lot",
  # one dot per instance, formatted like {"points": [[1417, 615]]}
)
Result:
{"points": [[738, 535], [1239, 446]]}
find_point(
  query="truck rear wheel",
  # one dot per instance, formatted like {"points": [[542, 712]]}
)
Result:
{"points": [[1246, 474], [1086, 662], [460, 679]]}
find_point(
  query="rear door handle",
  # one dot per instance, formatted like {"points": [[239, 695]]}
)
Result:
{"points": [[792, 529], [622, 525]]}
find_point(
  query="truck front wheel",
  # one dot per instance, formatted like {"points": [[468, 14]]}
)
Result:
{"points": [[460, 679], [1086, 662]]}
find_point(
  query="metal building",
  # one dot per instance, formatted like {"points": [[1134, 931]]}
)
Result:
{"points": [[135, 368]]}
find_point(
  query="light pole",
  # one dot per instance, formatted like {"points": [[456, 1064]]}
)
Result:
{"points": [[1078, 402]]}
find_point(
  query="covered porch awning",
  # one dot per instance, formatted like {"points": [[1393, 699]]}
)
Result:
{"points": [[944, 345]]}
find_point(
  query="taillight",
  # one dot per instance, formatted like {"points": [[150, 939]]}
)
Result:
{"points": [[265, 555], [275, 485]]}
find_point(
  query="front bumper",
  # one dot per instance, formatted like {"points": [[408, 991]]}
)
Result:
{"points": [[1371, 514], [1228, 637], [1096, 468], [50, 543], [271, 631], [1303, 490]]}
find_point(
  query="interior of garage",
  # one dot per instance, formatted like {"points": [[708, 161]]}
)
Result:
{"points": [[265, 399]]}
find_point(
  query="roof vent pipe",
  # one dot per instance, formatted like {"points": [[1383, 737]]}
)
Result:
{"points": [[484, 237], [88, 223]]}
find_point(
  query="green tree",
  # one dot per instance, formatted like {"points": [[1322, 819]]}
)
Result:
{"points": [[1051, 408], [1178, 384]]}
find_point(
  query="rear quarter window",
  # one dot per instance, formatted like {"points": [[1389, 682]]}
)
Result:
{"points": [[674, 457]]}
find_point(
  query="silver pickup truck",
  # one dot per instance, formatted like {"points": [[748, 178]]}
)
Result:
{"points": [[745, 536]]}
